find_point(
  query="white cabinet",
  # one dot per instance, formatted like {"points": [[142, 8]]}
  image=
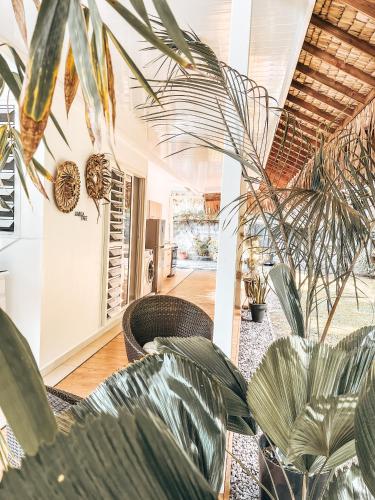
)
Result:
{"points": [[167, 257], [154, 210]]}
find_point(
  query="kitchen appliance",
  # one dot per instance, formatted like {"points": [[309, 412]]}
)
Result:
{"points": [[155, 233], [155, 237], [148, 272], [173, 261]]}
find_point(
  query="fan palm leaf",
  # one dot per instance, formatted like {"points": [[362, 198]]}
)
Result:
{"points": [[325, 428], [293, 372], [364, 430], [360, 346], [348, 484], [232, 384], [131, 456], [178, 392], [23, 397]]}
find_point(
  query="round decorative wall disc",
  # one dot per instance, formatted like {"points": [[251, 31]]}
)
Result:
{"points": [[67, 186], [98, 176]]}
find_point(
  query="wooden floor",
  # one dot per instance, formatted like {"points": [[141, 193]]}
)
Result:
{"points": [[196, 286]]}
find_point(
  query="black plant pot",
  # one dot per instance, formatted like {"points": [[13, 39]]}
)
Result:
{"points": [[295, 479], [257, 312]]}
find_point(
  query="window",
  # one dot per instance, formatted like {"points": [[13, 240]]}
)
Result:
{"points": [[7, 178]]}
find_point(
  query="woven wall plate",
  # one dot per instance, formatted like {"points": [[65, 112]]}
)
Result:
{"points": [[67, 186], [98, 177]]}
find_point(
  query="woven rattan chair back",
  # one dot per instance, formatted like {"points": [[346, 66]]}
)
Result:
{"points": [[162, 316]]}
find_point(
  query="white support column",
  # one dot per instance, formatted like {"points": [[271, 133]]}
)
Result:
{"points": [[226, 283]]}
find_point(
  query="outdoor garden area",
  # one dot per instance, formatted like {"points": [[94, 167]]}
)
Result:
{"points": [[195, 231]]}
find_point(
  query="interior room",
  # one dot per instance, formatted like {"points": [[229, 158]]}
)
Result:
{"points": [[187, 249]]}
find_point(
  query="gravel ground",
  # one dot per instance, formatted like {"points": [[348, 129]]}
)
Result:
{"points": [[254, 341]]}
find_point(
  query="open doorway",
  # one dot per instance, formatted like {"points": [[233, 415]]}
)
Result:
{"points": [[195, 229]]}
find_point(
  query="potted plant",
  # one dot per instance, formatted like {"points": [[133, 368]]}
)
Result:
{"points": [[256, 291], [202, 247], [312, 401]]}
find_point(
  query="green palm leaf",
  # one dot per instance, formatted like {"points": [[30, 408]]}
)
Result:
{"points": [[131, 64], [364, 430], [82, 59], [145, 31], [360, 346], [293, 372], [287, 293], [180, 393], [9, 78], [348, 484], [325, 428], [363, 337], [232, 383], [41, 74], [23, 397], [132, 456], [171, 26]]}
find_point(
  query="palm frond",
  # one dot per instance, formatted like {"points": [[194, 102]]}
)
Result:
{"points": [[293, 373], [177, 391], [131, 456], [364, 430], [348, 484], [232, 384]]}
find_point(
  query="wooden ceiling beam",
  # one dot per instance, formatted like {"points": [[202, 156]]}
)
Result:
{"points": [[290, 146], [349, 69], [308, 131], [293, 143], [365, 6], [309, 119], [302, 140], [342, 35], [283, 173], [311, 107], [281, 164], [276, 164], [330, 82], [289, 160], [275, 174], [306, 89]]}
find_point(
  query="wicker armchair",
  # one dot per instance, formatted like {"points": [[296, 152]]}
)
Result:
{"points": [[59, 401], [162, 316]]}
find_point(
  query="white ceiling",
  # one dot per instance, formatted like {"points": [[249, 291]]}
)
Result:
{"points": [[278, 29]]}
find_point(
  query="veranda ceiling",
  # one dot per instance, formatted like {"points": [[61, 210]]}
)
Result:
{"points": [[334, 79]]}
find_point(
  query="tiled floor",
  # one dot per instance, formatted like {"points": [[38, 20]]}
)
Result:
{"points": [[196, 286]]}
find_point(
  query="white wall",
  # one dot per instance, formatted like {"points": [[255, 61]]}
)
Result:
{"points": [[21, 255], [73, 249]]}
